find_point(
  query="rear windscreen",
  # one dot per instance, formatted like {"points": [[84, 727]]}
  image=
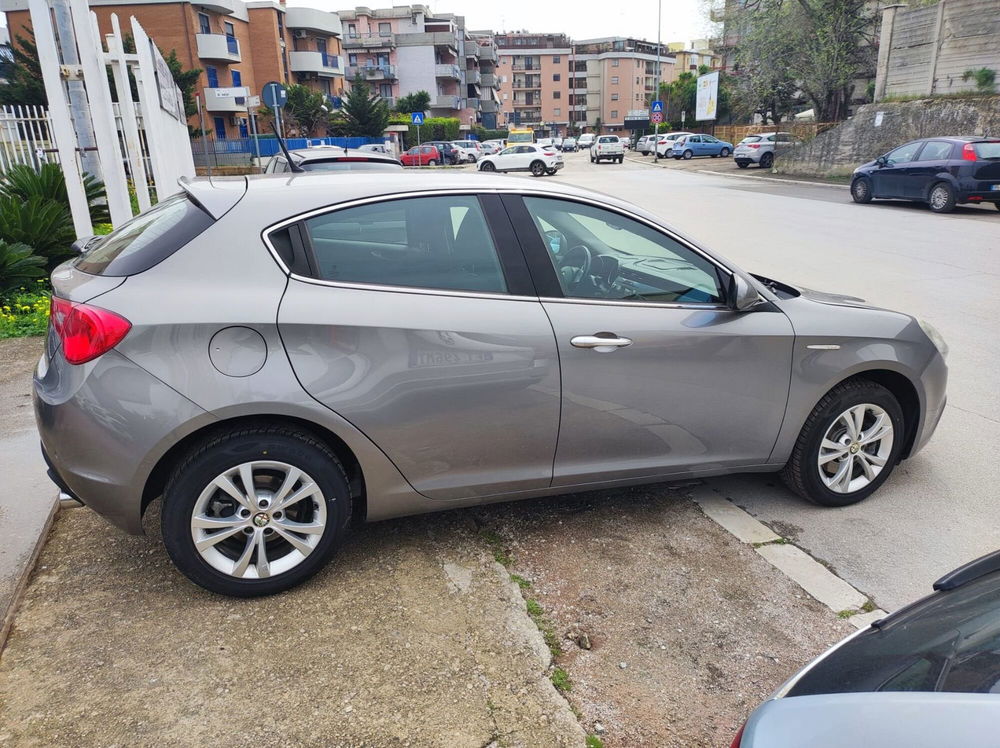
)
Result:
{"points": [[989, 150], [147, 239], [751, 139], [351, 165]]}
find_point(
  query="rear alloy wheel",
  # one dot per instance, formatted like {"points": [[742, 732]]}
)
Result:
{"points": [[255, 512], [942, 198], [724, 152], [537, 168], [432, 162], [848, 446], [861, 190], [766, 161], [687, 155], [487, 166]]}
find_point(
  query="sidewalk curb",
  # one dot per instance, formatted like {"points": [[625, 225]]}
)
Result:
{"points": [[744, 176], [10, 613], [818, 581]]}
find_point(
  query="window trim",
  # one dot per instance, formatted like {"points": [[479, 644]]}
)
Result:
{"points": [[510, 257]]}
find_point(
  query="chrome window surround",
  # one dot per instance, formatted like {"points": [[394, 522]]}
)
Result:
{"points": [[478, 294]]}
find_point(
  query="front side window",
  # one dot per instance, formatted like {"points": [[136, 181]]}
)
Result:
{"points": [[903, 154], [426, 242], [600, 254]]}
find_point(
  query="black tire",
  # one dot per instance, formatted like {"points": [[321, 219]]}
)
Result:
{"points": [[861, 190], [941, 198], [766, 161], [488, 166], [687, 155], [724, 153], [550, 172], [593, 160], [432, 162], [537, 168], [216, 455], [801, 473], [742, 164]]}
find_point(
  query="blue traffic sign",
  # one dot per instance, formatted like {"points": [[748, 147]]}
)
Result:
{"points": [[657, 106], [417, 118], [274, 95]]}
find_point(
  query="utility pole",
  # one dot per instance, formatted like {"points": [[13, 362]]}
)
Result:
{"points": [[78, 104], [656, 95]]}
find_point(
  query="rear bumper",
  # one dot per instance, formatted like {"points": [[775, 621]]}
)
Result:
{"points": [[103, 427], [746, 158]]}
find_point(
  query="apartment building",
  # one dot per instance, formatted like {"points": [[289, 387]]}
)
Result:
{"points": [[534, 75], [691, 56], [405, 49], [234, 44]]}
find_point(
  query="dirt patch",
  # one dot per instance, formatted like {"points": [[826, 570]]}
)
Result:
{"points": [[410, 637], [18, 357], [688, 629]]}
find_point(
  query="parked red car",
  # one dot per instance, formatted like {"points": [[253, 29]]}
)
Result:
{"points": [[421, 155]]}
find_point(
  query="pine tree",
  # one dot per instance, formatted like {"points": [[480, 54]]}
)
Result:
{"points": [[24, 84], [365, 113]]}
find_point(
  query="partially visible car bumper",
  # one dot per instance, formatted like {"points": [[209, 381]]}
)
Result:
{"points": [[934, 379]]}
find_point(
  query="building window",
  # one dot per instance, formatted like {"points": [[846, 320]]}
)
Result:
{"points": [[614, 97], [237, 77], [637, 81], [557, 94], [281, 23], [385, 90], [385, 29], [557, 112], [614, 114], [352, 58], [556, 76], [556, 58], [228, 28], [614, 62], [204, 25], [212, 73], [614, 80], [352, 31]]}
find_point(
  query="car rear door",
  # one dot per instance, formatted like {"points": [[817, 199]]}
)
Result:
{"points": [[659, 376], [414, 318], [917, 176]]}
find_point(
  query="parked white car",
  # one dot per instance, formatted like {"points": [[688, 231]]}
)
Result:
{"points": [[586, 140], [644, 145], [492, 146], [530, 157], [761, 149], [665, 145], [470, 149], [607, 148]]}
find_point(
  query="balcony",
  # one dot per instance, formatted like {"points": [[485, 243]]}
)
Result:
{"points": [[369, 41], [225, 99], [521, 68], [225, 7], [372, 72], [218, 47], [527, 102], [313, 20], [473, 76], [522, 85], [488, 106], [472, 103], [489, 80], [487, 52], [446, 70], [319, 63], [446, 101]]}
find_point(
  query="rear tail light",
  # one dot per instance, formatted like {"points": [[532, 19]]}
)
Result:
{"points": [[755, 146], [739, 737], [969, 153], [546, 153], [86, 332]]}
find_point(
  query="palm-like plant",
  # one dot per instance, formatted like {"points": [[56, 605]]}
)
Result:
{"points": [[18, 266], [42, 224], [22, 182]]}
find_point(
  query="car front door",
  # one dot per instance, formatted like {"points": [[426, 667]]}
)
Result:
{"points": [[507, 158], [418, 324], [889, 179], [659, 375], [710, 146]]}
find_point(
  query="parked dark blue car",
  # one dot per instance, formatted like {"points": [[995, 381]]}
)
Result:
{"points": [[941, 172]]}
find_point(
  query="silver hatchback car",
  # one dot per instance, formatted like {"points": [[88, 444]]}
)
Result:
{"points": [[278, 357]]}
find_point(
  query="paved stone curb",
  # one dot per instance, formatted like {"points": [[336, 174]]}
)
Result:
{"points": [[744, 176], [790, 560]]}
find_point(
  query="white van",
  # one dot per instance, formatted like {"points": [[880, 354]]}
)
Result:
{"points": [[586, 140]]}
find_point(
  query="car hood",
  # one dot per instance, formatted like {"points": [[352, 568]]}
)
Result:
{"points": [[785, 290]]}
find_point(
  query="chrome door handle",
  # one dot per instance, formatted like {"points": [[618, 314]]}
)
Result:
{"points": [[600, 343]]}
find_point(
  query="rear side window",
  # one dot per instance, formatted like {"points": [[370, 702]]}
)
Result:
{"points": [[428, 242], [147, 239], [936, 150]]}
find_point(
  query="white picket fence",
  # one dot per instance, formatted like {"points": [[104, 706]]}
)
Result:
{"points": [[26, 137]]}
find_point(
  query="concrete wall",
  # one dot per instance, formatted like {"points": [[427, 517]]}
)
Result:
{"points": [[839, 151], [930, 48]]}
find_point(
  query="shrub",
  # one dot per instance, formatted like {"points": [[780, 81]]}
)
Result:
{"points": [[44, 225], [18, 266], [25, 313], [22, 182]]}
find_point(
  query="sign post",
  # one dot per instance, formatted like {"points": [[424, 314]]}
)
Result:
{"points": [[417, 118], [275, 95], [656, 114]]}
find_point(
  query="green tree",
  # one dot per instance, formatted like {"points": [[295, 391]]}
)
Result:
{"points": [[305, 109], [419, 101], [24, 84], [365, 113], [186, 80]]}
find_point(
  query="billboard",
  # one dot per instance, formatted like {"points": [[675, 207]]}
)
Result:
{"points": [[707, 96]]}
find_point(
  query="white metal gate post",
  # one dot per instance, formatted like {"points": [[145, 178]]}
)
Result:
{"points": [[95, 78], [62, 123], [130, 125]]}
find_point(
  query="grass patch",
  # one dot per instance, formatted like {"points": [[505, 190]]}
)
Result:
{"points": [[594, 742], [868, 607], [498, 546], [779, 541], [25, 312], [537, 614], [846, 613], [520, 581], [561, 680]]}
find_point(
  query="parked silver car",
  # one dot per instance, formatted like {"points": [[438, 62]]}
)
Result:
{"points": [[277, 357], [762, 149]]}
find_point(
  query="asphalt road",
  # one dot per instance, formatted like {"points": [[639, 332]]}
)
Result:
{"points": [[941, 508]]}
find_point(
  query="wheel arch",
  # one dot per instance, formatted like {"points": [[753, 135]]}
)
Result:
{"points": [[158, 476], [903, 389], [941, 176]]}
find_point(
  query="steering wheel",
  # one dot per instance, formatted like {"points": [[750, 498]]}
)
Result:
{"points": [[588, 258]]}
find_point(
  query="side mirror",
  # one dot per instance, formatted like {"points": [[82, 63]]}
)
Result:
{"points": [[881, 161], [743, 296]]}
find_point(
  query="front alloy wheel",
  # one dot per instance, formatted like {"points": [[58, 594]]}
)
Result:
{"points": [[855, 448], [861, 190]]}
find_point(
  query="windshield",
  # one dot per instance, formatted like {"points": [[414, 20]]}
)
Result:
{"points": [[351, 165]]}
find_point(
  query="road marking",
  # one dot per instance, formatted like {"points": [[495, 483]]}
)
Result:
{"points": [[818, 581]]}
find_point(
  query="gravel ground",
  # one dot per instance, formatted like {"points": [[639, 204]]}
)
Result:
{"points": [[689, 629]]}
